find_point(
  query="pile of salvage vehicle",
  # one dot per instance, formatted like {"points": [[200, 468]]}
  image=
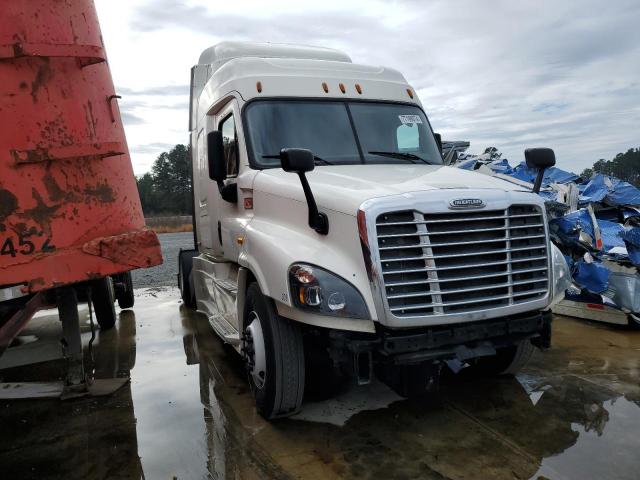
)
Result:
{"points": [[594, 221]]}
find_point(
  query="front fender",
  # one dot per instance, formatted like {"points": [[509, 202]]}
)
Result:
{"points": [[271, 245]]}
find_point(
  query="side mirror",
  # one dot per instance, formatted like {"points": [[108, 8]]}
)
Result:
{"points": [[438, 138], [300, 161], [539, 159], [215, 157], [297, 160]]}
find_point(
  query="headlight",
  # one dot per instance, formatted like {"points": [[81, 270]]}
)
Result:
{"points": [[561, 274], [319, 291]]}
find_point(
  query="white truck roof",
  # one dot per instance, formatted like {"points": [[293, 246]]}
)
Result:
{"points": [[221, 53], [283, 70]]}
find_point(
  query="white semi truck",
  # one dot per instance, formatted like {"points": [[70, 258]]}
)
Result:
{"points": [[328, 228]]}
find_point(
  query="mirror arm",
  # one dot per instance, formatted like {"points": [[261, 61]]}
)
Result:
{"points": [[229, 193], [538, 182], [317, 220]]}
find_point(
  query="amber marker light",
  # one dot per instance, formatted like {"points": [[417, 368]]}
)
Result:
{"points": [[259, 87], [358, 88], [325, 87], [410, 92], [342, 88]]}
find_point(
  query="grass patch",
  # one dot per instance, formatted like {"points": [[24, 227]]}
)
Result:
{"points": [[185, 227]]}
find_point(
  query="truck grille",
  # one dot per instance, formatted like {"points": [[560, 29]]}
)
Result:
{"points": [[459, 262]]}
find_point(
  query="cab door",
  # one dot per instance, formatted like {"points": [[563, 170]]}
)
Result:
{"points": [[221, 212], [201, 193]]}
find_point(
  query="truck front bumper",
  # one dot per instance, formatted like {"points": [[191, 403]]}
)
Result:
{"points": [[446, 342]]}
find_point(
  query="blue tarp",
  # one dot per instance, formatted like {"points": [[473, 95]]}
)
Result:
{"points": [[501, 166], [551, 175], [611, 191], [611, 234], [592, 276], [467, 164], [631, 238], [568, 227], [630, 212]]}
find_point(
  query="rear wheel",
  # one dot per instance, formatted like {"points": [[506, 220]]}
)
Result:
{"points": [[124, 290], [273, 352], [506, 361], [103, 298]]}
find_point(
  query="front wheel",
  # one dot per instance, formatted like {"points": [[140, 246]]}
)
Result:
{"points": [[273, 352], [506, 361], [185, 278]]}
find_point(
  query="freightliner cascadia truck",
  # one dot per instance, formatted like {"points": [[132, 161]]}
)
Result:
{"points": [[328, 230]]}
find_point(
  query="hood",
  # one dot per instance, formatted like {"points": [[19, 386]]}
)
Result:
{"points": [[344, 188]]}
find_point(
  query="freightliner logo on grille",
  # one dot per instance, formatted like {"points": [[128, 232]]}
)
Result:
{"points": [[466, 203]]}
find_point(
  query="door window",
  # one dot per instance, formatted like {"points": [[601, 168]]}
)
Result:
{"points": [[230, 142]]}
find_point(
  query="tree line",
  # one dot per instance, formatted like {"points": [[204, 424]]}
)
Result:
{"points": [[625, 166], [166, 189]]}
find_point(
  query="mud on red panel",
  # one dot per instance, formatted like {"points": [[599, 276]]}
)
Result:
{"points": [[69, 206]]}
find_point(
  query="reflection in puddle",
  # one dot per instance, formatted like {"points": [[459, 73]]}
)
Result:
{"points": [[605, 447], [188, 413]]}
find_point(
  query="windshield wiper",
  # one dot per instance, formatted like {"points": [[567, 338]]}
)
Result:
{"points": [[410, 157], [316, 159]]}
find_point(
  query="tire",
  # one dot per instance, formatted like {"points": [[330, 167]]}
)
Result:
{"points": [[277, 378], [507, 361], [185, 280], [103, 298], [124, 292]]}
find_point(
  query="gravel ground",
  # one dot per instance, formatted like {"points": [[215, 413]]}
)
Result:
{"points": [[164, 274]]}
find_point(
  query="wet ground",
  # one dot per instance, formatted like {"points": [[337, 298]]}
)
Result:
{"points": [[188, 413]]}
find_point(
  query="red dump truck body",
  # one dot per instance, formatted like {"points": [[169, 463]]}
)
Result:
{"points": [[69, 206]]}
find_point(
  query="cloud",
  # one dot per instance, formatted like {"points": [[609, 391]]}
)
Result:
{"points": [[152, 148], [166, 90], [555, 73], [129, 119]]}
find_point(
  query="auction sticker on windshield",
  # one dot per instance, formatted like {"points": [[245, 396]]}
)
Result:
{"points": [[410, 119]]}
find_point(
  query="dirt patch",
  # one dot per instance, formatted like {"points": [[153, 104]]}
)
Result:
{"points": [[8, 205]]}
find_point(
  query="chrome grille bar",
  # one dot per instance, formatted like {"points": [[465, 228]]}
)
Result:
{"points": [[462, 279], [466, 302], [463, 232]]}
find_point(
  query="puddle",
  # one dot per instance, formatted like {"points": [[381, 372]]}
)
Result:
{"points": [[188, 413]]}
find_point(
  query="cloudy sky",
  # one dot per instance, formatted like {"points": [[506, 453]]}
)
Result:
{"points": [[512, 74]]}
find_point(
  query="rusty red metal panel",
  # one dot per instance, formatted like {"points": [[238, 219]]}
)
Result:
{"points": [[69, 206]]}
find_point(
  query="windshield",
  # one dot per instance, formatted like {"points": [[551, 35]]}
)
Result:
{"points": [[340, 133]]}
